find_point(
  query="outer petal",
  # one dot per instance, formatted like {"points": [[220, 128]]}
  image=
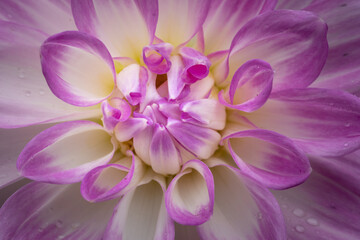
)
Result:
{"points": [[293, 42], [39, 14], [78, 68], [342, 66], [179, 21], [141, 214], [12, 141], [268, 157], [321, 208], [225, 18], [199, 140], [186, 232], [190, 195], [321, 121], [47, 211], [112, 180], [124, 26], [25, 97], [250, 86], [242, 208], [65, 152]]}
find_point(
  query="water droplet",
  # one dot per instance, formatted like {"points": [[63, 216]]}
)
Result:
{"points": [[9, 15], [75, 225], [298, 212], [347, 124], [28, 93], [346, 144], [259, 216], [59, 223], [61, 237], [300, 229], [312, 221], [41, 92], [21, 73], [284, 206], [40, 230]]}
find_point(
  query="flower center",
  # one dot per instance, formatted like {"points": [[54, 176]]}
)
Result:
{"points": [[165, 110]]}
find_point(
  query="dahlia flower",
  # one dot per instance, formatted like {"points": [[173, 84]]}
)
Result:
{"points": [[165, 119]]}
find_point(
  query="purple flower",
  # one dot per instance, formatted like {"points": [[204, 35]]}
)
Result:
{"points": [[146, 119]]}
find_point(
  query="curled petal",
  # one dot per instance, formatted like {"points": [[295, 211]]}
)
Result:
{"points": [[114, 111], [112, 180], [206, 112], [199, 140], [268, 157], [65, 152], [243, 207], [190, 195], [143, 206], [175, 82], [126, 130], [157, 57], [132, 83], [196, 65], [78, 68], [250, 86]]}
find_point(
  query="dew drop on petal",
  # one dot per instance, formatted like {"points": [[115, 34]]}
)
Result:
{"points": [[75, 225], [298, 212], [346, 144], [347, 124], [41, 92], [259, 216], [61, 237], [300, 229], [28, 93], [59, 223], [312, 221]]}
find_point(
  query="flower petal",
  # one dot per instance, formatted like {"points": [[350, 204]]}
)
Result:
{"points": [[126, 130], [175, 82], [112, 180], [48, 211], [186, 232], [12, 141], [250, 86], [157, 57], [190, 195], [242, 208], [321, 208], [145, 207], [196, 65], [131, 81], [321, 121], [292, 42], [78, 68], [164, 156], [65, 152], [199, 140], [39, 15], [115, 111], [142, 141], [180, 21], [268, 157], [205, 112], [225, 18], [25, 97], [124, 27]]}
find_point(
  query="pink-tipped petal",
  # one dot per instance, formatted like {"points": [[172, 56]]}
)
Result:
{"points": [[25, 96], [199, 140], [118, 24], [250, 86], [39, 15], [190, 195], [65, 152], [196, 65], [174, 80], [145, 207], [321, 121], [292, 42], [157, 57], [78, 68], [126, 130], [243, 208], [164, 156], [47, 211], [131, 81], [225, 18], [179, 21], [205, 112], [142, 142], [268, 157], [112, 180], [114, 111]]}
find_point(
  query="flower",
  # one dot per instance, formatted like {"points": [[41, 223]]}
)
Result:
{"points": [[177, 117]]}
